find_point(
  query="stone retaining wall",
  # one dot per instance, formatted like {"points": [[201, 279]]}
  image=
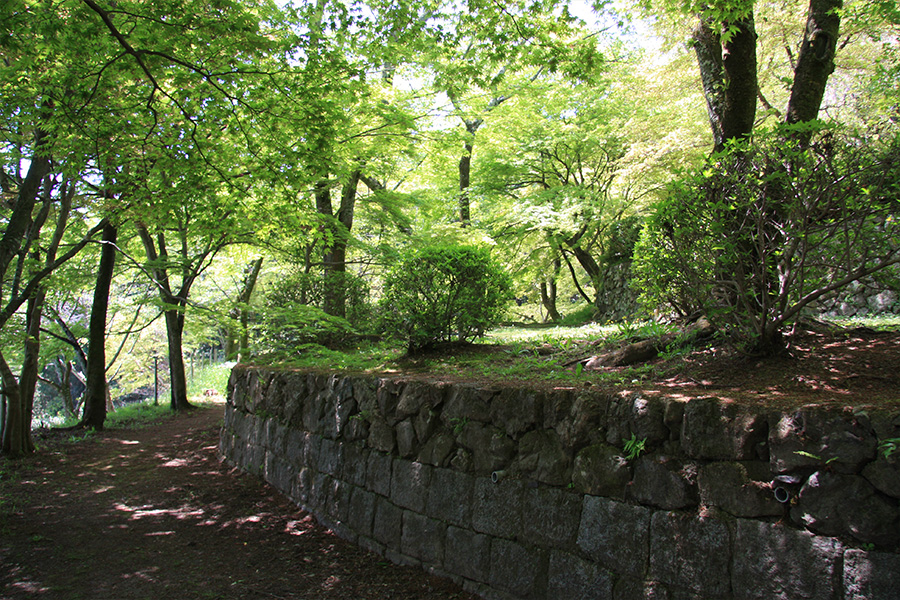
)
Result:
{"points": [[522, 494]]}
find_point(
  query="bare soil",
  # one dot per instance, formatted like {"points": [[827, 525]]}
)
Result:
{"points": [[152, 513], [821, 364]]}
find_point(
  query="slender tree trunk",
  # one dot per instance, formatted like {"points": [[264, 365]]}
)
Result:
{"points": [[174, 317], [548, 292], [96, 393], [236, 342], [465, 179]]}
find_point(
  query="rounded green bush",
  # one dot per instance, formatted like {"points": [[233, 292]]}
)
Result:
{"points": [[444, 293]]}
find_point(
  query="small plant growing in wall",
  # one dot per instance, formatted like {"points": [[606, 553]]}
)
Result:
{"points": [[458, 425], [634, 447]]}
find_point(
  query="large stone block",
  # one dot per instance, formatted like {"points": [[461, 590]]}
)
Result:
{"points": [[691, 553], [329, 458], [497, 507], [713, 429], [550, 517], [615, 534], [407, 444], [515, 411], [450, 497], [467, 403], [647, 418], [378, 474], [438, 450], [728, 487], [361, 514], [468, 554], [884, 474], [490, 448], [518, 569], [871, 575], [337, 502], [543, 458], [601, 470], [336, 413], [586, 422], [774, 562], [835, 504], [297, 448], [812, 436], [665, 482], [354, 463], [423, 538], [388, 523], [381, 434], [387, 396], [409, 484], [417, 396], [571, 578], [628, 588]]}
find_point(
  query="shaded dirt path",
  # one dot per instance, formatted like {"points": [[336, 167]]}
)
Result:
{"points": [[151, 513]]}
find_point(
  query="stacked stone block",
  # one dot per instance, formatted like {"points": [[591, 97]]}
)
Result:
{"points": [[523, 494]]}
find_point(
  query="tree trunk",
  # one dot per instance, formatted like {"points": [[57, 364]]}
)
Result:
{"points": [[20, 219], [730, 83], [335, 255], [236, 343], [174, 317], [815, 63], [707, 46], [741, 82], [16, 430], [465, 174], [96, 392], [177, 377]]}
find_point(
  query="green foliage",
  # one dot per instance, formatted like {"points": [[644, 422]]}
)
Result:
{"points": [[285, 329], [759, 234], [889, 447], [299, 287], [444, 293], [634, 447], [580, 316]]}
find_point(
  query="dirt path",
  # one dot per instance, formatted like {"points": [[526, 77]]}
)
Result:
{"points": [[152, 514]]}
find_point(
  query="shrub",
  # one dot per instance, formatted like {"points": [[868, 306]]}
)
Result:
{"points": [[444, 293], [762, 232]]}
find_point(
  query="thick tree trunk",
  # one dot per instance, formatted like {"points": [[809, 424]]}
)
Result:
{"points": [[815, 62], [96, 393], [730, 84], [707, 45], [335, 255], [17, 429], [741, 82], [177, 376], [20, 219]]}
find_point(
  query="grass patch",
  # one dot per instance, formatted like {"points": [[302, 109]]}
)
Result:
{"points": [[209, 377], [137, 415]]}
